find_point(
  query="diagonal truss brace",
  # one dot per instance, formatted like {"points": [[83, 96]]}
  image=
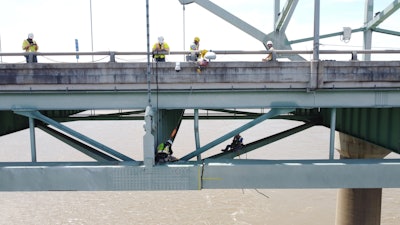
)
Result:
{"points": [[285, 15], [85, 149], [262, 142], [273, 112], [34, 114], [232, 19], [383, 15], [247, 28]]}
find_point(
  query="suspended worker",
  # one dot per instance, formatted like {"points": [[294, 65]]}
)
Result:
{"points": [[237, 143], [29, 45], [164, 152], [269, 48], [160, 49]]}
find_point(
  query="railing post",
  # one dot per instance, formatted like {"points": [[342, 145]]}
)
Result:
{"points": [[354, 55], [112, 56]]}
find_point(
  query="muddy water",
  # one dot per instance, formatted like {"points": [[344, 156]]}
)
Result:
{"points": [[239, 206]]}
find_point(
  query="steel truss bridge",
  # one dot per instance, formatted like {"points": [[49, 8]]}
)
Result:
{"points": [[354, 97], [357, 98]]}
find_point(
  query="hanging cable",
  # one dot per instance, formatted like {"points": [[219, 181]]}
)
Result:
{"points": [[158, 115], [148, 53]]}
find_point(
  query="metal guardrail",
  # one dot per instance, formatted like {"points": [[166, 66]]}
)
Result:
{"points": [[113, 54]]}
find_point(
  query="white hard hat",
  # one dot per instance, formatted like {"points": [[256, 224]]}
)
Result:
{"points": [[269, 43], [161, 39], [169, 141], [30, 36], [210, 55]]}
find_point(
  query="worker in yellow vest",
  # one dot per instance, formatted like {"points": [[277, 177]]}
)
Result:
{"points": [[29, 45], [164, 152], [160, 49]]}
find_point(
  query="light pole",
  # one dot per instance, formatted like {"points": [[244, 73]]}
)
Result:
{"points": [[91, 28], [148, 53], [1, 57]]}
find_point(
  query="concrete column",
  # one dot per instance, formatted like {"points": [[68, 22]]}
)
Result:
{"points": [[358, 206]]}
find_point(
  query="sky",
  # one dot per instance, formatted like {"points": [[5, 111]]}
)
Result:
{"points": [[121, 25]]}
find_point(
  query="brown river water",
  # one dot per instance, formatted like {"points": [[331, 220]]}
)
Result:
{"points": [[203, 207]]}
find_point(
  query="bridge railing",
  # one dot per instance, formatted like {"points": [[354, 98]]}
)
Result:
{"points": [[112, 56]]}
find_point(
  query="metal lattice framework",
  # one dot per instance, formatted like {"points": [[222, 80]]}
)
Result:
{"points": [[289, 98]]}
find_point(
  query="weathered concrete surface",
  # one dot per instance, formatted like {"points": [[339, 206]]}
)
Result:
{"points": [[360, 74], [218, 75], [81, 86]]}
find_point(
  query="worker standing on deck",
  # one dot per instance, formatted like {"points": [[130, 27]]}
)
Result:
{"points": [[160, 49]]}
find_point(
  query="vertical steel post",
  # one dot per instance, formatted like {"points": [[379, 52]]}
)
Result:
{"points": [[91, 28], [148, 139], [332, 134], [316, 29], [148, 53], [314, 61], [196, 131], [33, 139], [369, 10], [184, 28]]}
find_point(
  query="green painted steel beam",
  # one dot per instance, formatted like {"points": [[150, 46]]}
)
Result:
{"points": [[85, 149], [383, 15], [37, 115], [324, 36], [285, 16], [378, 126], [384, 31], [211, 174]]}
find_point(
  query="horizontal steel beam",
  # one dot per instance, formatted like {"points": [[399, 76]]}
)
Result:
{"points": [[302, 174], [200, 99], [212, 174]]}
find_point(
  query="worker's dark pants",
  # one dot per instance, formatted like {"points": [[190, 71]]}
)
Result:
{"points": [[232, 147], [34, 58], [160, 59]]}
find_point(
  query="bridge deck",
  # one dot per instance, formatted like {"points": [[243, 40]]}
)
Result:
{"points": [[218, 75], [274, 84]]}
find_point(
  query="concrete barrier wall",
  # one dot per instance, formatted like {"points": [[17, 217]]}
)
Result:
{"points": [[331, 74]]}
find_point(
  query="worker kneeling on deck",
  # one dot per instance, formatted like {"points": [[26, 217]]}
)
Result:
{"points": [[164, 152]]}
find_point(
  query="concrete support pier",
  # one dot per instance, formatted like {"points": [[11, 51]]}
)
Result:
{"points": [[358, 206]]}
